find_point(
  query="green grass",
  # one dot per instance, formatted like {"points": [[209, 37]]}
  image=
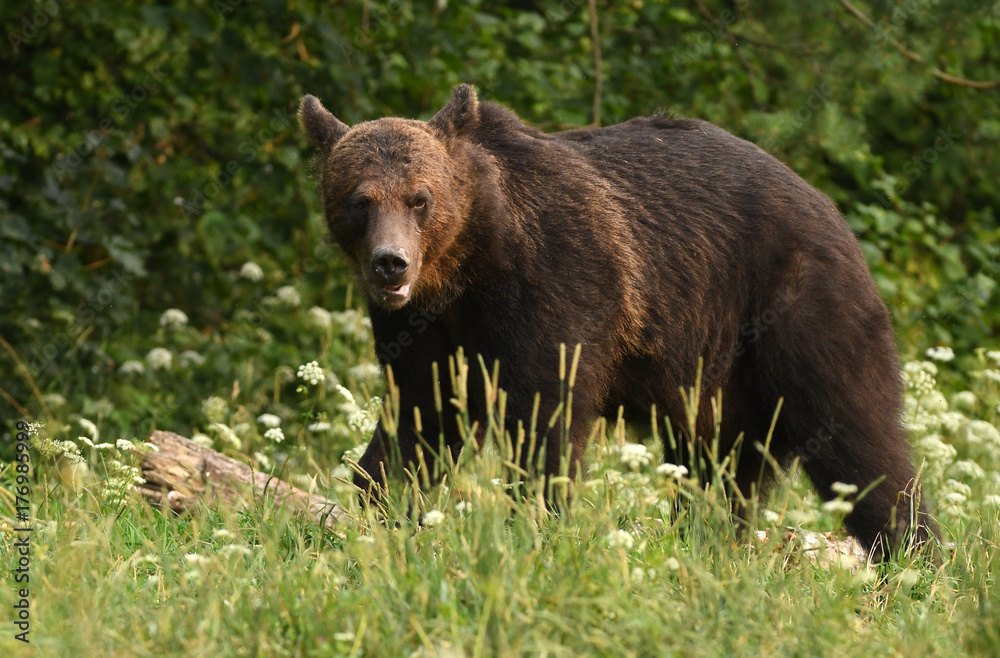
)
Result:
{"points": [[643, 564], [498, 578]]}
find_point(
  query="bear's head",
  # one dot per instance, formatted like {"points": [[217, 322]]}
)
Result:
{"points": [[397, 195]]}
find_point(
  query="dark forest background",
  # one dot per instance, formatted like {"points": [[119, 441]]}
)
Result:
{"points": [[149, 150]]}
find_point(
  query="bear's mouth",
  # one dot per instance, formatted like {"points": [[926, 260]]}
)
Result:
{"points": [[394, 295], [401, 289]]}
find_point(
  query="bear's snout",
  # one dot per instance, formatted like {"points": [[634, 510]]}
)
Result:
{"points": [[389, 265]]}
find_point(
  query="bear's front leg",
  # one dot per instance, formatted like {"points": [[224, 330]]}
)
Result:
{"points": [[549, 441]]}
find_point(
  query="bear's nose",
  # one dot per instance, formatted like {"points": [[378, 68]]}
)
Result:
{"points": [[389, 264]]}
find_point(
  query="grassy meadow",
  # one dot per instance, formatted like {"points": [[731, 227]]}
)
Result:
{"points": [[647, 562], [164, 265]]}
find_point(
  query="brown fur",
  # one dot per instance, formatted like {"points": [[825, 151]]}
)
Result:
{"points": [[653, 244]]}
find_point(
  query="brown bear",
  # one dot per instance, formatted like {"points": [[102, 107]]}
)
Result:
{"points": [[656, 244]]}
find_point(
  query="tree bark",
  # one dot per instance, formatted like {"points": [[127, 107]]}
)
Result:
{"points": [[181, 473]]}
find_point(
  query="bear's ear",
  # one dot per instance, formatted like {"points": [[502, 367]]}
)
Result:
{"points": [[320, 126], [460, 114]]}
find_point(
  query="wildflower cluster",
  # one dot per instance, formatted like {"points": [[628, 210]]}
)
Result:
{"points": [[959, 452], [108, 468], [311, 372]]}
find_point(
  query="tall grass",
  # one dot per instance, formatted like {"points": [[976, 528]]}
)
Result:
{"points": [[645, 562]]}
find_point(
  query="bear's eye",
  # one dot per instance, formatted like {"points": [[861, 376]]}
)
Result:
{"points": [[419, 202], [360, 204]]}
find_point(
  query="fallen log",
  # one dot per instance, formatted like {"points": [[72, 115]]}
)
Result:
{"points": [[181, 473]]}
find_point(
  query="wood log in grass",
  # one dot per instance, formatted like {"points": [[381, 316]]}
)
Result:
{"points": [[181, 473]]}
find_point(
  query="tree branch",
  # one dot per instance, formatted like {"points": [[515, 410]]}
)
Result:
{"points": [[915, 57]]}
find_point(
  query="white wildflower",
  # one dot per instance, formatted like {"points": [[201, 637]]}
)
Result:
{"points": [[964, 400], [311, 372], [263, 461], [124, 445], [954, 486], [844, 490], [908, 577], [221, 533], [321, 426], [934, 403], [53, 400], [215, 409], [352, 324], [771, 517], [838, 507], [343, 636], [936, 450], [251, 271], [674, 471], [159, 358], [968, 469], [103, 446], [919, 377], [980, 431], [992, 374], [994, 355], [638, 575], [634, 455], [89, 427], [952, 420], [189, 358], [992, 500], [203, 440], [85, 440], [275, 434], [173, 318], [268, 420], [620, 539], [672, 564], [227, 435], [432, 518], [234, 549], [954, 499], [348, 396], [288, 296], [131, 367], [196, 559], [463, 506], [941, 354], [366, 372], [320, 317]]}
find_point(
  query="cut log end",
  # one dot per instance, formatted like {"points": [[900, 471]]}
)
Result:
{"points": [[181, 473]]}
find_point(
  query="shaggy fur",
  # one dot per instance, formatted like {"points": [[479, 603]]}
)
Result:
{"points": [[653, 244]]}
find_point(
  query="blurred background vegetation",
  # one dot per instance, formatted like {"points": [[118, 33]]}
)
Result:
{"points": [[149, 152]]}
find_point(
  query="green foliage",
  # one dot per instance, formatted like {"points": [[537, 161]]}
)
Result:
{"points": [[150, 163]]}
